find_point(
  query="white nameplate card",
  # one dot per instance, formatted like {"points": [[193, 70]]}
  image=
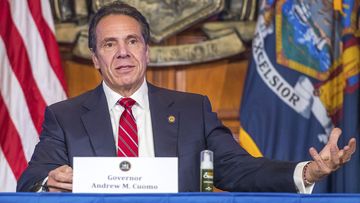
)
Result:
{"points": [[125, 175]]}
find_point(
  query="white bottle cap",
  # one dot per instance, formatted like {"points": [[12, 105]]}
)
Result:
{"points": [[206, 159]]}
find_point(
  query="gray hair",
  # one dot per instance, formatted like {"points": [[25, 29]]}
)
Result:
{"points": [[117, 8]]}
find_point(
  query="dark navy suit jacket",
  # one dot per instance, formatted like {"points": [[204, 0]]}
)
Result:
{"points": [[81, 126]]}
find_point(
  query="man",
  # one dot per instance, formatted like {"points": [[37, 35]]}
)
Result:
{"points": [[165, 123]]}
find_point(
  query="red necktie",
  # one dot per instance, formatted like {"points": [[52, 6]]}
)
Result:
{"points": [[127, 138]]}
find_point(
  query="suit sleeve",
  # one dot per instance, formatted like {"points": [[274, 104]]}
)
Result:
{"points": [[235, 169], [49, 154]]}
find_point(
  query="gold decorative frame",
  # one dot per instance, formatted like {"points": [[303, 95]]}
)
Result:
{"points": [[168, 17]]}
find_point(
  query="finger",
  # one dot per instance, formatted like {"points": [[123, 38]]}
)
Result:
{"points": [[334, 162], [352, 145], [323, 169], [334, 136], [346, 156], [349, 150], [65, 169], [342, 156], [59, 175], [68, 170], [64, 177], [60, 187]]}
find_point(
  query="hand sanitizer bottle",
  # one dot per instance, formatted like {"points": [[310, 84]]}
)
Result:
{"points": [[206, 171]]}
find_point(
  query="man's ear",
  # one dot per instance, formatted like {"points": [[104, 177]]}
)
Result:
{"points": [[95, 60], [147, 54]]}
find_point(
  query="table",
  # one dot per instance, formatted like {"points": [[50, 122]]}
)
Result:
{"points": [[223, 197]]}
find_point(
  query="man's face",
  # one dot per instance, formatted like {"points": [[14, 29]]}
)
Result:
{"points": [[121, 53]]}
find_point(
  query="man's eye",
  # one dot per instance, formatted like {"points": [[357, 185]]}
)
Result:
{"points": [[108, 44], [132, 41]]}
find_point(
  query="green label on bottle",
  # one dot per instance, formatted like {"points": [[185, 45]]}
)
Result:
{"points": [[207, 180]]}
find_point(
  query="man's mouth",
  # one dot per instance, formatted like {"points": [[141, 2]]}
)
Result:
{"points": [[125, 67]]}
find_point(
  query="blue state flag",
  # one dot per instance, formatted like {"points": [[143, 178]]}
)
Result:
{"points": [[303, 80]]}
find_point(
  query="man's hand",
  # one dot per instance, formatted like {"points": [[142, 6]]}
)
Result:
{"points": [[329, 159], [60, 179]]}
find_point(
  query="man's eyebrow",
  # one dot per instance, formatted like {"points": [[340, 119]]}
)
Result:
{"points": [[109, 39], [133, 36]]}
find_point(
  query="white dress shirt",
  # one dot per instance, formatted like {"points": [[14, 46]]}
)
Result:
{"points": [[299, 181], [141, 112]]}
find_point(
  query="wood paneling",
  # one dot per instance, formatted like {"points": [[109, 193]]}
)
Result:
{"points": [[80, 77]]}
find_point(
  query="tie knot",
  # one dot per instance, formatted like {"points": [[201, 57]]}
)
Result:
{"points": [[126, 102]]}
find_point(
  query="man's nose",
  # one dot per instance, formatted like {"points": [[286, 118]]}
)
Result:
{"points": [[122, 51]]}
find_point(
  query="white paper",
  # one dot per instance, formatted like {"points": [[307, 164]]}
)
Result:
{"points": [[145, 175]]}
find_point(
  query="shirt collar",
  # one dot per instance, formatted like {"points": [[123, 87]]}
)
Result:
{"points": [[140, 96]]}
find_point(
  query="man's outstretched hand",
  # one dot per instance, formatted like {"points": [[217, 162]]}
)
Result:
{"points": [[329, 159]]}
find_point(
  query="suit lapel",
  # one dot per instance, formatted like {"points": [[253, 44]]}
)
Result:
{"points": [[165, 122], [98, 125]]}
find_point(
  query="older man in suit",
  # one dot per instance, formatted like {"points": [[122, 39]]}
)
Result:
{"points": [[127, 116]]}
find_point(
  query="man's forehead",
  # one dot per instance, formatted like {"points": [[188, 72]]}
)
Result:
{"points": [[118, 24], [118, 19]]}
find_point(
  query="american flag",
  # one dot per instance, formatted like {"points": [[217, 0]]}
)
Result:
{"points": [[31, 77]]}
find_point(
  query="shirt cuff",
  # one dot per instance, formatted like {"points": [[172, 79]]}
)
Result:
{"points": [[299, 181], [41, 189]]}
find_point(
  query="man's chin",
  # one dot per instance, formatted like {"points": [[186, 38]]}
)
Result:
{"points": [[128, 87]]}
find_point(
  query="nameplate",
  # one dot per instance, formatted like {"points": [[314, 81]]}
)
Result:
{"points": [[125, 175]]}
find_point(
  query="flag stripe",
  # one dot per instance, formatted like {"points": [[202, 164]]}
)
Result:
{"points": [[44, 76], [46, 12], [10, 143], [51, 46], [8, 180], [15, 102], [20, 64]]}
